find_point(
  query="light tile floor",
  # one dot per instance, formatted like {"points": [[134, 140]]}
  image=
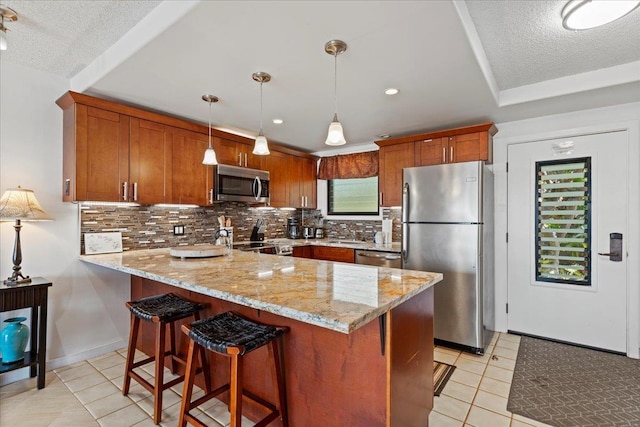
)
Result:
{"points": [[89, 393]]}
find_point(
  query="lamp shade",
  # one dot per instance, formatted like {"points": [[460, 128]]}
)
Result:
{"points": [[20, 203], [261, 148], [210, 157], [335, 135]]}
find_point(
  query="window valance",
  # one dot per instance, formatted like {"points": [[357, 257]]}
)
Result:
{"points": [[345, 166]]}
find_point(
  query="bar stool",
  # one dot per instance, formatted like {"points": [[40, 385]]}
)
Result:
{"points": [[162, 310], [232, 335]]}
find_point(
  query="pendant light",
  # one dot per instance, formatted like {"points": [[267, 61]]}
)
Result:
{"points": [[335, 136], [209, 154], [261, 148], [9, 15]]}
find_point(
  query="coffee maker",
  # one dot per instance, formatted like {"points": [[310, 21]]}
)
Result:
{"points": [[293, 228]]}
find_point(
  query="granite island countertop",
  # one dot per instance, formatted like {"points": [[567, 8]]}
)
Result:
{"points": [[333, 295]]}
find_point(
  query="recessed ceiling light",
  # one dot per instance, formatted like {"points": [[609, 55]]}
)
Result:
{"points": [[278, 121], [384, 136], [391, 91], [582, 15]]}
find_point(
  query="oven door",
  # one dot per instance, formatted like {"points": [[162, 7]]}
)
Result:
{"points": [[237, 184]]}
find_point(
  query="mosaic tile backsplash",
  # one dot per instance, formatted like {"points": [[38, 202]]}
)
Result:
{"points": [[149, 227]]}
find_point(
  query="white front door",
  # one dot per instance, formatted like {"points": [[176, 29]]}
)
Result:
{"points": [[554, 290]]}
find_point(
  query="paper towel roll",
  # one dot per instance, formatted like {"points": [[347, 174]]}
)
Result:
{"points": [[387, 225]]}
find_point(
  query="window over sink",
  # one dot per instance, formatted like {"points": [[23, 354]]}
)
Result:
{"points": [[355, 196]]}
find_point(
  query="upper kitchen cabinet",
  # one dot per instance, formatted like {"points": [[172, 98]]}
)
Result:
{"points": [[392, 158], [150, 157], [236, 153], [303, 174], [191, 180], [433, 148], [277, 165], [463, 144], [95, 154]]}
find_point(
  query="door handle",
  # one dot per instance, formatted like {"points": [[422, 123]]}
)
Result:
{"points": [[125, 191], [615, 248], [135, 191]]}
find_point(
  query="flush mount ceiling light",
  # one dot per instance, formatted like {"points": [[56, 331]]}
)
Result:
{"points": [[9, 15], [586, 14], [261, 147], [335, 135], [210, 155]]}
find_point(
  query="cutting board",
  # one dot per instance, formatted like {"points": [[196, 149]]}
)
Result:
{"points": [[199, 251]]}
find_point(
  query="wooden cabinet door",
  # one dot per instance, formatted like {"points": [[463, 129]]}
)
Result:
{"points": [[250, 160], [468, 147], [226, 151], [330, 253], [431, 151], [294, 176], [277, 165], [309, 182], [392, 159], [150, 159], [191, 181], [302, 251], [101, 155]]}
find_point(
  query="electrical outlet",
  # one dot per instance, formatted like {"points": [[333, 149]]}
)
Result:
{"points": [[178, 230]]}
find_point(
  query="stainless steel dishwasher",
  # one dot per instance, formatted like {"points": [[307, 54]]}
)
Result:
{"points": [[379, 258]]}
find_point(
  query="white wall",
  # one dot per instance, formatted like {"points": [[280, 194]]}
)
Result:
{"points": [[86, 303], [626, 116]]}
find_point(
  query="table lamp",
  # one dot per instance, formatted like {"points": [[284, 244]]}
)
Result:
{"points": [[20, 204]]}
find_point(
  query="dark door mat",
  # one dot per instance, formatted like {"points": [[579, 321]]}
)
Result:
{"points": [[567, 386], [441, 374]]}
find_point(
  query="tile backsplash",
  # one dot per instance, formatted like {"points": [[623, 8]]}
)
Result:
{"points": [[149, 227]]}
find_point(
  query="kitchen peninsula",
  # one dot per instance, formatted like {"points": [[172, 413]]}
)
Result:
{"points": [[360, 349]]}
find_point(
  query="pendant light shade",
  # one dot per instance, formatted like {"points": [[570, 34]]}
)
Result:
{"points": [[6, 15], [335, 136], [586, 14], [261, 147], [210, 155]]}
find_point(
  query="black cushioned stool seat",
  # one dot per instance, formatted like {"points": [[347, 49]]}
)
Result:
{"points": [[232, 335], [161, 310]]}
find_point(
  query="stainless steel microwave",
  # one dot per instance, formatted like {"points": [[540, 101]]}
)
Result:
{"points": [[236, 184]]}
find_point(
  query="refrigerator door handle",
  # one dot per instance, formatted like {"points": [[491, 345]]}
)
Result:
{"points": [[405, 202], [405, 244]]}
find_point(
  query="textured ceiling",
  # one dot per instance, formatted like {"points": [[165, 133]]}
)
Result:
{"points": [[455, 62], [63, 37], [526, 43]]}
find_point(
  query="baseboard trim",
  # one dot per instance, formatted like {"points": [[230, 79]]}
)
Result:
{"points": [[21, 374]]}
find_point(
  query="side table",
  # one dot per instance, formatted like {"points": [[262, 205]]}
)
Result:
{"points": [[32, 295]]}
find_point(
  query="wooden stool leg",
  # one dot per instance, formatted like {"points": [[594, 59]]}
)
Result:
{"points": [[190, 373], [203, 360], [278, 380], [172, 344], [235, 392], [131, 352], [159, 376]]}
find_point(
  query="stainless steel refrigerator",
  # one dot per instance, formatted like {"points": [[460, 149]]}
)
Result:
{"points": [[447, 227]]}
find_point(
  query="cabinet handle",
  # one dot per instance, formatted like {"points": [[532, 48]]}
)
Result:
{"points": [[125, 191], [67, 187], [444, 155], [302, 201], [239, 159], [381, 198], [245, 159], [135, 191], [427, 140], [211, 196], [451, 154]]}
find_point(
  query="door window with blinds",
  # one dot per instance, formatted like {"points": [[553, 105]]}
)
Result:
{"points": [[563, 221]]}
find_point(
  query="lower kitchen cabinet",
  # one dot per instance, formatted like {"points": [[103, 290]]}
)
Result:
{"points": [[331, 253], [302, 251]]}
